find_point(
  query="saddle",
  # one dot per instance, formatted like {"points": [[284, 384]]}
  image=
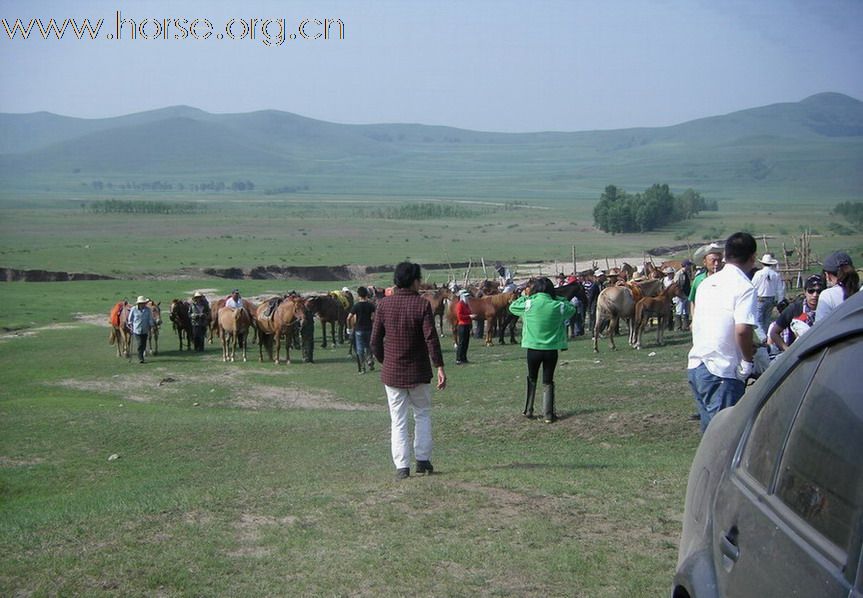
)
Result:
{"points": [[114, 319], [272, 304]]}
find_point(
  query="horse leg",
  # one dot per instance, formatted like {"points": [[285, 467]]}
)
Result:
{"points": [[615, 322], [489, 340], [324, 330]]}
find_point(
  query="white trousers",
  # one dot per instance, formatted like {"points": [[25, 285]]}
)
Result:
{"points": [[419, 399]]}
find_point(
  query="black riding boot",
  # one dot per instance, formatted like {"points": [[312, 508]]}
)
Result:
{"points": [[528, 401], [548, 403]]}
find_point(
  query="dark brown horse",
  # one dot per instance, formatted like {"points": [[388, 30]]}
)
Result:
{"points": [[332, 311], [181, 322]]}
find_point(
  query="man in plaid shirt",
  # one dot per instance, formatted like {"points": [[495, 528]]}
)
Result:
{"points": [[405, 320]]}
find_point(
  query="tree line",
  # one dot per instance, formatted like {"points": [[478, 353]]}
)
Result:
{"points": [[852, 211], [620, 212], [118, 206], [166, 186]]}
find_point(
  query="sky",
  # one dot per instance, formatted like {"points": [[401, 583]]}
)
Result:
{"points": [[508, 66]]}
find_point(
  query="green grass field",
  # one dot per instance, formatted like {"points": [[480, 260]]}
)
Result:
{"points": [[256, 479]]}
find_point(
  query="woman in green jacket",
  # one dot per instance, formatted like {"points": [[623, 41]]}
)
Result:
{"points": [[543, 334]]}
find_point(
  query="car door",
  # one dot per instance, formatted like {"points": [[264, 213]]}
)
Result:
{"points": [[788, 513]]}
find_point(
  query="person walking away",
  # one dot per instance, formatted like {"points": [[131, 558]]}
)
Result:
{"points": [[842, 280], [770, 289], [797, 317], [721, 358], [360, 319], [405, 321], [140, 320], [543, 335], [199, 315], [464, 321]]}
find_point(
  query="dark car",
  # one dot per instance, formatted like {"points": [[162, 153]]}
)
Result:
{"points": [[774, 503]]}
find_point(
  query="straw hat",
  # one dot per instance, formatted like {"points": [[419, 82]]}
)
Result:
{"points": [[668, 270], [197, 294], [142, 299], [768, 260]]}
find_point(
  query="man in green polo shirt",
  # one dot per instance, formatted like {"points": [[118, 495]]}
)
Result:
{"points": [[712, 264]]}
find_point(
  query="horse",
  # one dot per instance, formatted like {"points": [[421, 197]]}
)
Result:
{"points": [[234, 325], [613, 304], [280, 323], [179, 316], [250, 307], [329, 311], [120, 334], [153, 334], [437, 300], [658, 307], [487, 308]]}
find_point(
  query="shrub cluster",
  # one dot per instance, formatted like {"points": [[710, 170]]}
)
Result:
{"points": [[620, 212]]}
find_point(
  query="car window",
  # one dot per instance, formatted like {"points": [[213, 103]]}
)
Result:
{"points": [[773, 420], [821, 473]]}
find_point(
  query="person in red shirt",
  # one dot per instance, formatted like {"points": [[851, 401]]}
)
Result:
{"points": [[464, 318], [406, 321]]}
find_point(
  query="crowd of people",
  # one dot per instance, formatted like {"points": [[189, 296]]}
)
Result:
{"points": [[727, 302]]}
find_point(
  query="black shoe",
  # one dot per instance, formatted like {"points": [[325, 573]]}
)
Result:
{"points": [[403, 473], [424, 467]]}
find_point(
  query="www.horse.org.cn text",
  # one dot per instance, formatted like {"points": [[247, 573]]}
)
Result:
{"points": [[269, 32]]}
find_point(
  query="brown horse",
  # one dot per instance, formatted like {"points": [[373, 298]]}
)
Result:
{"points": [[488, 309], [250, 307], [658, 307], [234, 326], [120, 334], [179, 316], [329, 311], [280, 323], [153, 335], [437, 300], [614, 303]]}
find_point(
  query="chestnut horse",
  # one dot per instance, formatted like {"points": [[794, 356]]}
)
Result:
{"points": [[488, 308], [179, 317], [280, 323], [234, 326], [658, 307], [249, 306]]}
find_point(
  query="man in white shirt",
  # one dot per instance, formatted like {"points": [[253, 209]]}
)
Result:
{"points": [[770, 289], [720, 360], [234, 301]]}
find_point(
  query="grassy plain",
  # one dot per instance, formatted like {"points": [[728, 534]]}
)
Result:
{"points": [[255, 479]]}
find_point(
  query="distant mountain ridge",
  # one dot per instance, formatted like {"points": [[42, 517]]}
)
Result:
{"points": [[816, 143]]}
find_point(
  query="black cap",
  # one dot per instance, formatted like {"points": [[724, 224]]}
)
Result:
{"points": [[836, 260]]}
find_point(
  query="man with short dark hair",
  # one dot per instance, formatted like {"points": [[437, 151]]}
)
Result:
{"points": [[721, 358], [406, 321]]}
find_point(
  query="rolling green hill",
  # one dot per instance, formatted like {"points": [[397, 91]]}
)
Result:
{"points": [[812, 148]]}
